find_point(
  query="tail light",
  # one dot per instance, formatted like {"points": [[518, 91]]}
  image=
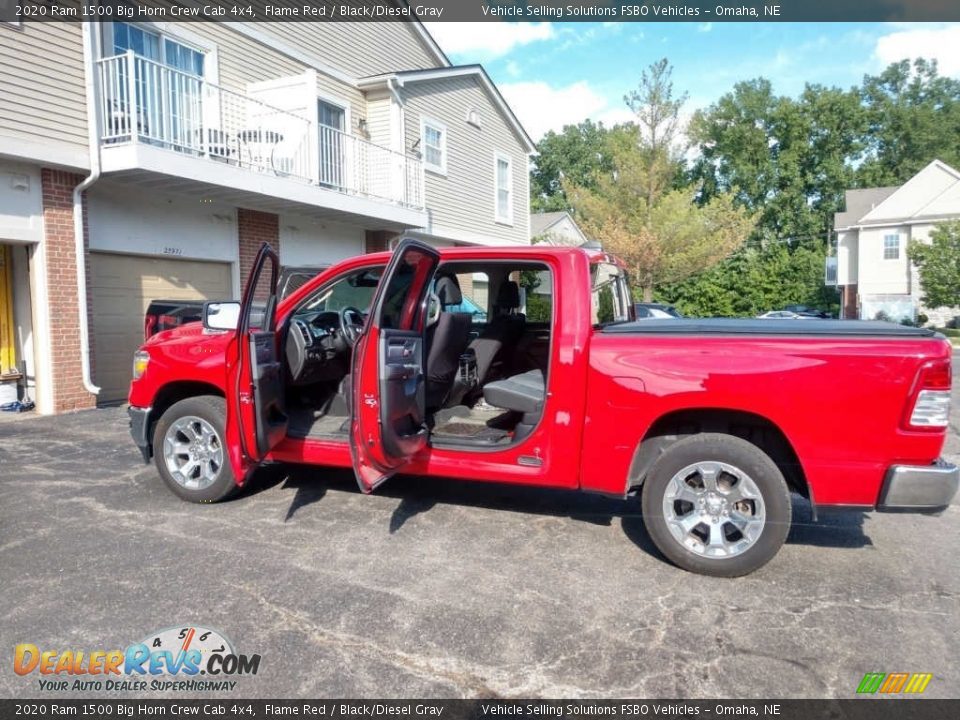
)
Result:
{"points": [[930, 409]]}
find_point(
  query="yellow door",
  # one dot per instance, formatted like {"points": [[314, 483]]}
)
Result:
{"points": [[8, 357]]}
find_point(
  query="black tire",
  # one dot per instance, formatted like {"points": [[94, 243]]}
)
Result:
{"points": [[213, 410], [766, 476]]}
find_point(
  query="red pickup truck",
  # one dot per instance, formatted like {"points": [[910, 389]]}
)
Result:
{"points": [[711, 423]]}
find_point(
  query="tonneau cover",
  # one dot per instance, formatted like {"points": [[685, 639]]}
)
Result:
{"points": [[751, 326]]}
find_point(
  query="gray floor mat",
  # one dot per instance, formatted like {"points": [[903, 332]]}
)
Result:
{"points": [[304, 423]]}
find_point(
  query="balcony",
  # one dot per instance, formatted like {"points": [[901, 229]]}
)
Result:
{"points": [[156, 120]]}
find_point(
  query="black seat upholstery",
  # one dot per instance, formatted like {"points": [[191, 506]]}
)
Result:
{"points": [[504, 331], [522, 393], [446, 340]]}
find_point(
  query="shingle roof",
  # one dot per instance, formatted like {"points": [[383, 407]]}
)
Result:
{"points": [[859, 203], [539, 222]]}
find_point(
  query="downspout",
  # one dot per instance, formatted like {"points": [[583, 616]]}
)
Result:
{"points": [[91, 31]]}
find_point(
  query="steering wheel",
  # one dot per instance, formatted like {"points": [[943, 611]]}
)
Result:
{"points": [[351, 324]]}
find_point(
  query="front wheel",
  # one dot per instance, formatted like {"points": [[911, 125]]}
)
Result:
{"points": [[190, 452], [717, 505]]}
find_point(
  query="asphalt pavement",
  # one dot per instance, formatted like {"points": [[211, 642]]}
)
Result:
{"points": [[432, 588]]}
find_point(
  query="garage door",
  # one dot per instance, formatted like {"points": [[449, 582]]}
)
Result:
{"points": [[121, 288]]}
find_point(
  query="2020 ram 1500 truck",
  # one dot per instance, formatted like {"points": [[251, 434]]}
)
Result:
{"points": [[711, 422]]}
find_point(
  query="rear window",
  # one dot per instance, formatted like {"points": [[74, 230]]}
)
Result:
{"points": [[610, 294]]}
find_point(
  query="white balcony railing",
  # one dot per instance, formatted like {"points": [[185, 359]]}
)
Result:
{"points": [[142, 101]]}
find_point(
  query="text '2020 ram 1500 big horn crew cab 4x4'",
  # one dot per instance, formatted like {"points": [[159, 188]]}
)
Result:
{"points": [[712, 423]]}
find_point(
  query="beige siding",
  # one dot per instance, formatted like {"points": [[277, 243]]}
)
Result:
{"points": [[42, 97], [358, 49], [378, 119], [463, 200]]}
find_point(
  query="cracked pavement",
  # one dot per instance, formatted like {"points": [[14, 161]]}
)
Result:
{"points": [[433, 588]]}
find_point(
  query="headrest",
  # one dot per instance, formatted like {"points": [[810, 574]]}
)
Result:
{"points": [[448, 290], [508, 296]]}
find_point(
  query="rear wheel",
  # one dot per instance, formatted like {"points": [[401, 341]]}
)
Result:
{"points": [[717, 505], [190, 452]]}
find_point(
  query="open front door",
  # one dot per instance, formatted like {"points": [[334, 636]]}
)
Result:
{"points": [[388, 409], [256, 407]]}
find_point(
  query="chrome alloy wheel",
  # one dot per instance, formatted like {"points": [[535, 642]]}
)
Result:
{"points": [[193, 452], [713, 509]]}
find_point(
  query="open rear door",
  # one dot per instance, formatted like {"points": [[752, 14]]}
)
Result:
{"points": [[388, 409], [256, 407]]}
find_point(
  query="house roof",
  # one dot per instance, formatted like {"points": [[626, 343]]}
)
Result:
{"points": [[859, 202], [932, 193], [412, 76], [543, 221]]}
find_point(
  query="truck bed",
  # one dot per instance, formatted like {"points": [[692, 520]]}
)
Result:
{"points": [[737, 326]]}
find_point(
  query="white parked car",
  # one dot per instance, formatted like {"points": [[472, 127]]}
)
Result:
{"points": [[784, 315]]}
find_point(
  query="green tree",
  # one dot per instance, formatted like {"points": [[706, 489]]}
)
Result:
{"points": [[789, 160], [914, 117], [939, 265], [661, 232], [576, 154], [755, 280]]}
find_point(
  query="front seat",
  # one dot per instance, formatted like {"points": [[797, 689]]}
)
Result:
{"points": [[447, 339], [504, 331]]}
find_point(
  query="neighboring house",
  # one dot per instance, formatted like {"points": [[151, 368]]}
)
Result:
{"points": [[872, 269], [555, 228], [142, 160]]}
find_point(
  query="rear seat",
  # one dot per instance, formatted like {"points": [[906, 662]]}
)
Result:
{"points": [[522, 393]]}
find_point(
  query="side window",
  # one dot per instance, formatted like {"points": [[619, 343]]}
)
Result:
{"points": [[536, 287], [433, 137], [400, 308], [475, 289], [610, 295], [891, 247]]}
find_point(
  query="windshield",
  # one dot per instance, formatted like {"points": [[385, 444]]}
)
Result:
{"points": [[353, 290]]}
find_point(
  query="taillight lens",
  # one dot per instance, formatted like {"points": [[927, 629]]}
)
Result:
{"points": [[931, 408]]}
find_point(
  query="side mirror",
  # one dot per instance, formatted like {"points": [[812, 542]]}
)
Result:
{"points": [[221, 315]]}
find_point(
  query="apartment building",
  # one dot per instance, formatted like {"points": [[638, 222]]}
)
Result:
{"points": [[147, 160], [873, 272]]}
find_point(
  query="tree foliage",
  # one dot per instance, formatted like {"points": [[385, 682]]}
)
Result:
{"points": [[635, 208], [755, 280], [577, 155], [939, 265], [784, 161]]}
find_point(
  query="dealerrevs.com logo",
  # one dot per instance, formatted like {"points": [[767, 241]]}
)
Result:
{"points": [[180, 659]]}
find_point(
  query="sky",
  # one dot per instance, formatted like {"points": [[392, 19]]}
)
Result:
{"points": [[554, 74]]}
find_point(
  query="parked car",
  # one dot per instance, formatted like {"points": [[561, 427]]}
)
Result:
{"points": [[167, 314], [783, 315], [655, 310], [807, 311], [712, 422]]}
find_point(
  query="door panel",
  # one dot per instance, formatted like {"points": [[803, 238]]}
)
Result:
{"points": [[256, 412], [388, 415]]}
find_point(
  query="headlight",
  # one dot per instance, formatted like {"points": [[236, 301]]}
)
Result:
{"points": [[141, 359]]}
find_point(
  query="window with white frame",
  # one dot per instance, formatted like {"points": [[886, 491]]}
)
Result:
{"points": [[891, 247], [154, 46], [503, 175], [433, 138]]}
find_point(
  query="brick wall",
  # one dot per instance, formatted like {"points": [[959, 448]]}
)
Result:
{"points": [[849, 309], [62, 300], [378, 240], [253, 229]]}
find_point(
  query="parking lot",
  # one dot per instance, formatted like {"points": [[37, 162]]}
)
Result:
{"points": [[443, 589]]}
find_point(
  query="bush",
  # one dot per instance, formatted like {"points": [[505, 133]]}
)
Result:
{"points": [[882, 315]]}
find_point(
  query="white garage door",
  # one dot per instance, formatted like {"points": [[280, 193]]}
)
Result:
{"points": [[121, 288]]}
